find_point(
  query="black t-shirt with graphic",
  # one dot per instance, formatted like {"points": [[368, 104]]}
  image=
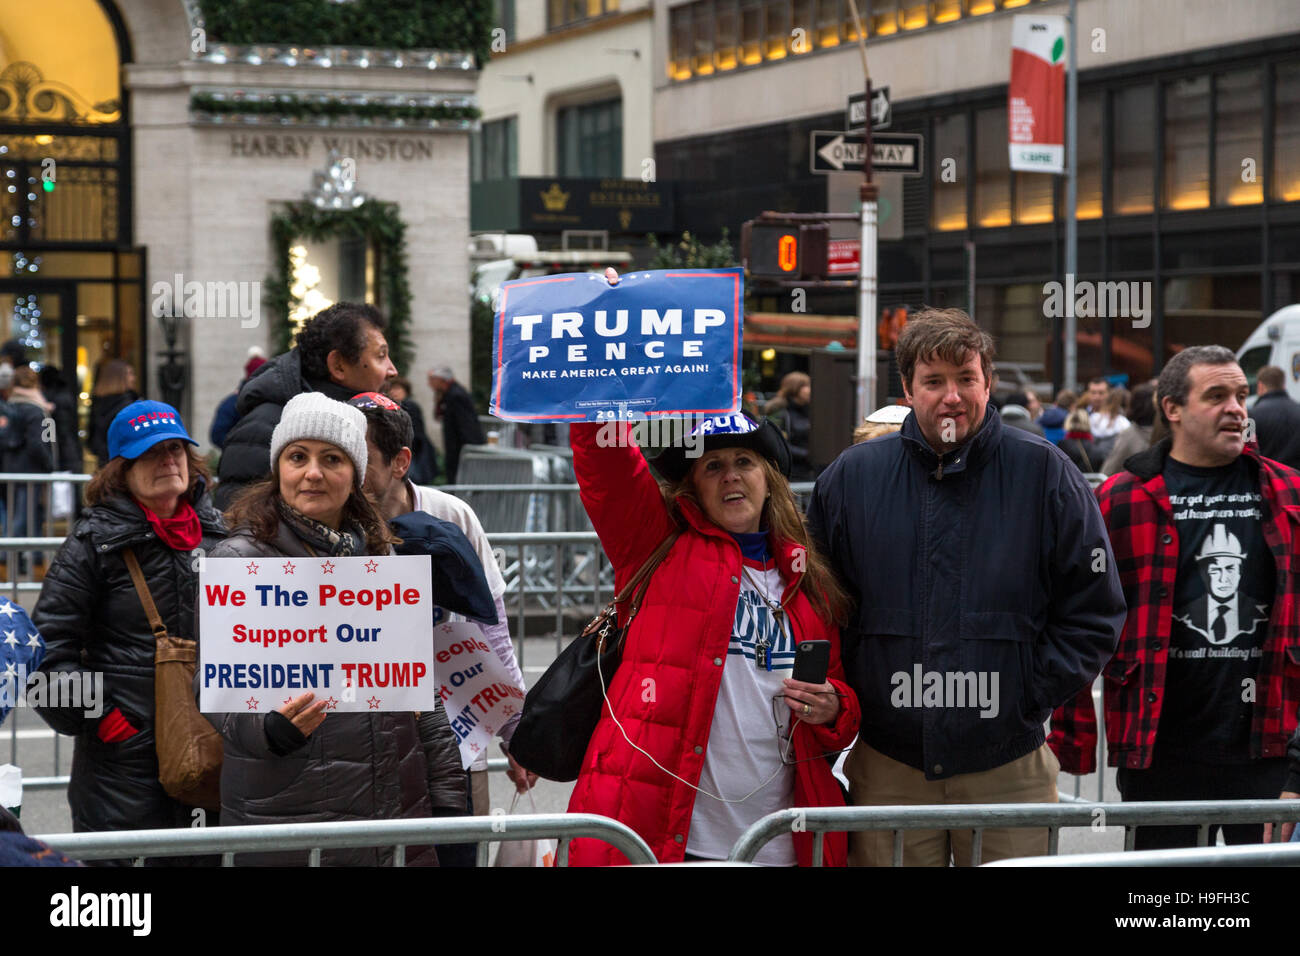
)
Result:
{"points": [[1224, 591]]}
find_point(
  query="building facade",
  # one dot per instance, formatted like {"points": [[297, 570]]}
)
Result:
{"points": [[1189, 157], [155, 163], [567, 139]]}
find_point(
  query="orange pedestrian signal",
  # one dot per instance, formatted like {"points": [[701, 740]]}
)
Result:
{"points": [[784, 250], [787, 253]]}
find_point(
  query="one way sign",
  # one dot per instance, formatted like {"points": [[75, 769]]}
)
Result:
{"points": [[834, 151]]}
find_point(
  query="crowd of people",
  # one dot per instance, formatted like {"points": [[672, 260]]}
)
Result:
{"points": [[954, 585]]}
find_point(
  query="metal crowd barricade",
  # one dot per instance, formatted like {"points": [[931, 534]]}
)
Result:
{"points": [[351, 834], [1266, 854], [988, 816]]}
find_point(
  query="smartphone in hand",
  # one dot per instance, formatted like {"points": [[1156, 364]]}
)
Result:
{"points": [[812, 659]]}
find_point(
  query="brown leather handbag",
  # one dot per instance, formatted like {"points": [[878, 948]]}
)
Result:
{"points": [[189, 747]]}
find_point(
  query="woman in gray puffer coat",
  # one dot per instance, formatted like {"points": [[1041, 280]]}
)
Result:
{"points": [[295, 764]]}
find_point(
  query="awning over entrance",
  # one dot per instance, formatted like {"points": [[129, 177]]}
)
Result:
{"points": [[795, 332]]}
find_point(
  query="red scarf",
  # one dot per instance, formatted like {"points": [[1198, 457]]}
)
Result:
{"points": [[182, 531], [1080, 436]]}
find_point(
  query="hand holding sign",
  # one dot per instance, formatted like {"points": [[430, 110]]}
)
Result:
{"points": [[582, 347], [305, 715]]}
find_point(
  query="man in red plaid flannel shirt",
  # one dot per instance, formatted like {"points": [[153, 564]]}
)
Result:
{"points": [[1202, 692]]}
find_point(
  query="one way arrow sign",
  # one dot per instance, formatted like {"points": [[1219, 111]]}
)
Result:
{"points": [[834, 151]]}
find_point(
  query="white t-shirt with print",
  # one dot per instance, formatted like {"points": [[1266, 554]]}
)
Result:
{"points": [[744, 749]]}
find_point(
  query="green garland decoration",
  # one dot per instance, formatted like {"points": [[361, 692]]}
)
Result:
{"points": [[378, 223], [289, 105], [382, 24]]}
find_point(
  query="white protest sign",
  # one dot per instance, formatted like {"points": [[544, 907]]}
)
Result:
{"points": [[354, 631], [476, 689]]}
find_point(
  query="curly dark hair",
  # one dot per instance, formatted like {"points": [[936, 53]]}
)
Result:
{"points": [[340, 327], [256, 508]]}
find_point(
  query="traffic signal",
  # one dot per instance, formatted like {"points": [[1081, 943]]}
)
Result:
{"points": [[774, 250]]}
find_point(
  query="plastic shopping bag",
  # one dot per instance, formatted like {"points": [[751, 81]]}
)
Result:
{"points": [[526, 852], [60, 498]]}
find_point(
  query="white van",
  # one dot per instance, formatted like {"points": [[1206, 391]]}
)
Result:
{"points": [[1275, 342]]}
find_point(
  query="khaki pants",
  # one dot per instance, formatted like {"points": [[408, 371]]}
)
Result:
{"points": [[875, 780]]}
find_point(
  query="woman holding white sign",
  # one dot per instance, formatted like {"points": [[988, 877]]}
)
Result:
{"points": [[296, 764], [704, 729]]}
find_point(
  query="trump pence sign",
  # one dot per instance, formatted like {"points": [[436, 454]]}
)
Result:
{"points": [[571, 348]]}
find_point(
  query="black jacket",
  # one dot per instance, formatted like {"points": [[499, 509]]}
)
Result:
{"points": [[103, 409], [93, 623], [245, 457], [460, 426], [1277, 426], [1085, 453], [24, 446], [993, 562], [797, 427], [424, 457]]}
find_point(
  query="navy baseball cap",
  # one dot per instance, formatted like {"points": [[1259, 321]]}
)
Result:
{"points": [[141, 425]]}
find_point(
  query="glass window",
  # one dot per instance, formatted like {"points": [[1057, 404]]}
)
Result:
{"points": [[1286, 133], [803, 21], [702, 29], [1089, 156], [776, 29], [1132, 175], [498, 150], [561, 13], [725, 35], [830, 16], [1034, 192], [913, 15], [945, 11], [751, 32], [505, 16], [679, 29], [978, 8], [883, 18], [1187, 144], [850, 26], [949, 168], [992, 167], [1238, 138], [590, 140], [1090, 129]]}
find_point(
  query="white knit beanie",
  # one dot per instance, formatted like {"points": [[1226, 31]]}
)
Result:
{"points": [[315, 416]]}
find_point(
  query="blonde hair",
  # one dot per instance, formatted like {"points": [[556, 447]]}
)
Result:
{"points": [[869, 430], [781, 517]]}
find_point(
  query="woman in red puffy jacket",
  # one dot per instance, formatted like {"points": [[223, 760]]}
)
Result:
{"points": [[705, 731]]}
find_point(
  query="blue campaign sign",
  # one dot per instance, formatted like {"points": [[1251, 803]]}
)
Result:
{"points": [[574, 348]]}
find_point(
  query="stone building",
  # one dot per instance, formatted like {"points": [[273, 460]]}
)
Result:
{"points": [[172, 186]]}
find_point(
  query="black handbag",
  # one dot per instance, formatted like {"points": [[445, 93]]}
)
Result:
{"points": [[562, 709]]}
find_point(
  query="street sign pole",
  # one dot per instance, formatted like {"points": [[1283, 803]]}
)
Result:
{"points": [[1071, 356], [866, 383]]}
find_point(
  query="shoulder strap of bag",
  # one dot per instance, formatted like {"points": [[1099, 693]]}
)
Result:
{"points": [[142, 589], [642, 576]]}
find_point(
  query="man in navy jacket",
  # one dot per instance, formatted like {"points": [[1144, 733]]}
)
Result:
{"points": [[986, 595]]}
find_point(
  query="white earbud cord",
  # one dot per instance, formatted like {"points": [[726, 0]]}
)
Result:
{"points": [[707, 793]]}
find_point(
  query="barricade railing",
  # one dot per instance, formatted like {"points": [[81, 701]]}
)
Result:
{"points": [[1264, 854], [494, 764], [352, 834], [989, 816]]}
